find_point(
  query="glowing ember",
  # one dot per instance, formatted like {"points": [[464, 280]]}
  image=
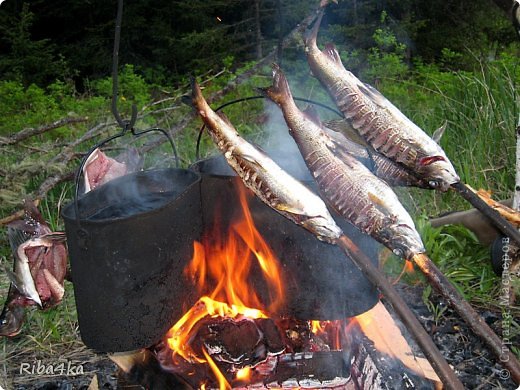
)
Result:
{"points": [[244, 374], [318, 326]]}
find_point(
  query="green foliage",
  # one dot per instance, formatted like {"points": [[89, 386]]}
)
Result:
{"points": [[458, 253], [435, 308], [29, 60]]}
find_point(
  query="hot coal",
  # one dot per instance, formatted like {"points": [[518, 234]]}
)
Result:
{"points": [[132, 206]]}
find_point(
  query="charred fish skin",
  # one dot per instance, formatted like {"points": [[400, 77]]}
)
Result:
{"points": [[348, 185], [265, 178], [377, 120]]}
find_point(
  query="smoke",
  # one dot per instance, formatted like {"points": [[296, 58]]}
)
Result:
{"points": [[280, 146]]}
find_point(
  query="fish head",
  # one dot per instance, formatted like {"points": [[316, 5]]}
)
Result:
{"points": [[438, 172], [323, 227], [405, 241], [11, 320]]}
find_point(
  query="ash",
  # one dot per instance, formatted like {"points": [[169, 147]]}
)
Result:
{"points": [[473, 362]]}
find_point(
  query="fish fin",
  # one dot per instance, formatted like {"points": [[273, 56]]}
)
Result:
{"points": [[344, 145], [425, 161], [437, 134], [57, 237], [289, 209], [17, 236], [375, 199], [311, 113], [343, 127], [332, 54], [279, 92], [224, 118], [373, 94], [378, 99], [312, 35]]}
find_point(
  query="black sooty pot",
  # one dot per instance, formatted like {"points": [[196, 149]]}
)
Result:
{"points": [[320, 281], [128, 247]]}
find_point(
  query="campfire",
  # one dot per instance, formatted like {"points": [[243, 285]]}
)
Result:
{"points": [[233, 337]]}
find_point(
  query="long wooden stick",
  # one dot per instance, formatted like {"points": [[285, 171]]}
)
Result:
{"points": [[427, 345], [30, 132], [470, 316]]}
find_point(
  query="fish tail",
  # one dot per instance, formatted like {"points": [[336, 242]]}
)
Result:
{"points": [[311, 37], [197, 98], [279, 92]]}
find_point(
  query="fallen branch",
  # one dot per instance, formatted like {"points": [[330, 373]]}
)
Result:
{"points": [[510, 214], [30, 132]]}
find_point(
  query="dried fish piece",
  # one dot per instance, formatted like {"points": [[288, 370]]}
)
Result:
{"points": [[39, 269]]}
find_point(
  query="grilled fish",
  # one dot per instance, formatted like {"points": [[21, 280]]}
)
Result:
{"points": [[384, 168], [359, 196], [264, 177], [378, 121]]}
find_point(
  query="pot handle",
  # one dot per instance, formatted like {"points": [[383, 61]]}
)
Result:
{"points": [[244, 99], [82, 233]]}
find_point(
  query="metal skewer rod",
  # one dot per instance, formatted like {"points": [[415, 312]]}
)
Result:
{"points": [[432, 353], [499, 221], [470, 316]]}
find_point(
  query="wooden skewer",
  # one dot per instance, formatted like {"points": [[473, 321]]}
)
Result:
{"points": [[427, 345]]}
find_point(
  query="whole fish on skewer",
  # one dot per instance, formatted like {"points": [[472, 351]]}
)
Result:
{"points": [[355, 193], [377, 120], [389, 131], [264, 177]]}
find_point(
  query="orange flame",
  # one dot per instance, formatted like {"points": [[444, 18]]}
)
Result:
{"points": [[226, 261]]}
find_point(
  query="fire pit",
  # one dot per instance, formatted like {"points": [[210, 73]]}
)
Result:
{"points": [[231, 294]]}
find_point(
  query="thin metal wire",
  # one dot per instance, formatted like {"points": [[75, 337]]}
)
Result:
{"points": [[197, 150]]}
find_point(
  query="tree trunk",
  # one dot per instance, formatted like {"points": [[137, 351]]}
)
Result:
{"points": [[279, 47], [258, 31]]}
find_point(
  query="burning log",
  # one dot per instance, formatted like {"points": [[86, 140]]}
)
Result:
{"points": [[347, 356], [282, 193]]}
